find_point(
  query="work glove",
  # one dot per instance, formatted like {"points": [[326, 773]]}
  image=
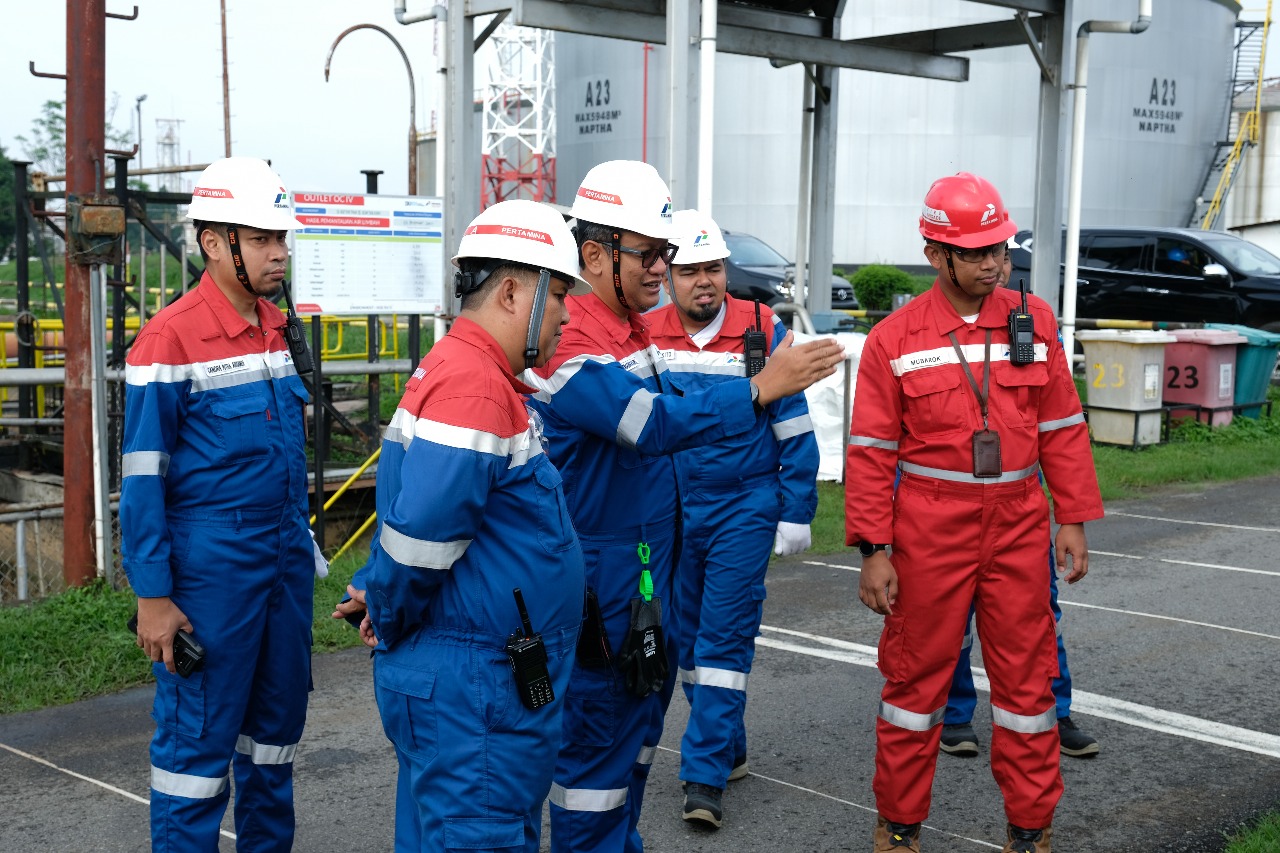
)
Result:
{"points": [[644, 658], [791, 538], [322, 565]]}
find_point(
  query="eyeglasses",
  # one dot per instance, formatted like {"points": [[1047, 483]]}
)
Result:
{"points": [[649, 257], [974, 256]]}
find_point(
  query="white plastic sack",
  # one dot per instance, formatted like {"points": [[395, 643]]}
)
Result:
{"points": [[829, 409]]}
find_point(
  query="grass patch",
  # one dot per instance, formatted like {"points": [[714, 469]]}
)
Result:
{"points": [[1263, 838], [75, 645]]}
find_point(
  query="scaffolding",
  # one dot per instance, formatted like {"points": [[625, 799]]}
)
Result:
{"points": [[518, 158]]}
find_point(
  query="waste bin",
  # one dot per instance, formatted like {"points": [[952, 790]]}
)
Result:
{"points": [[1124, 380], [1255, 362], [1200, 368]]}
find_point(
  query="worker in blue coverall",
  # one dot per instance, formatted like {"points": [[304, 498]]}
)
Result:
{"points": [[610, 429], [958, 735], [213, 509], [741, 496], [470, 511]]}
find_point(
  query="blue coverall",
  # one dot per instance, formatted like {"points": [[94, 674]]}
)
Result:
{"points": [[610, 430], [470, 509], [963, 698], [733, 494], [213, 512]]}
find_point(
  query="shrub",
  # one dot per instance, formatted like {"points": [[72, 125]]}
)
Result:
{"points": [[875, 285]]}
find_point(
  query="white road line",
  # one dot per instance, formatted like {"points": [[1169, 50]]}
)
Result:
{"points": [[1129, 713], [1062, 602], [112, 788], [1200, 523], [1185, 563], [851, 803]]}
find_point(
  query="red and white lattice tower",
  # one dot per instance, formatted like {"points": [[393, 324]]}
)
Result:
{"points": [[518, 158]]}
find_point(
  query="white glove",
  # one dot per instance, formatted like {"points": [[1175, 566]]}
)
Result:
{"points": [[322, 565], [791, 539]]}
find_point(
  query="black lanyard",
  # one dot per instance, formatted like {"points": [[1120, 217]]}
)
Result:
{"points": [[986, 372]]}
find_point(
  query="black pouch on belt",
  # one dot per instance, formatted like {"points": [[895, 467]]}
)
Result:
{"points": [[593, 642], [644, 657]]}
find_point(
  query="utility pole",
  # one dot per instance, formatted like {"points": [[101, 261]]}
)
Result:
{"points": [[86, 120], [226, 85]]}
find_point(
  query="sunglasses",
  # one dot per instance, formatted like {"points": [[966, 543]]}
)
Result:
{"points": [[649, 257], [973, 256]]}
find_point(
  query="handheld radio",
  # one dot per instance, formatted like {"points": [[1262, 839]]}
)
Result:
{"points": [[296, 337], [529, 661], [755, 346], [1022, 329]]}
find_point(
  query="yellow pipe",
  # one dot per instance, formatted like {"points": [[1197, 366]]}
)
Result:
{"points": [[355, 476], [364, 527]]}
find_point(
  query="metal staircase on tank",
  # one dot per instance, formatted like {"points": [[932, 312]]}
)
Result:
{"points": [[1242, 124]]}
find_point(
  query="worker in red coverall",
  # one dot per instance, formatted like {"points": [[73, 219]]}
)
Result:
{"points": [[943, 402]]}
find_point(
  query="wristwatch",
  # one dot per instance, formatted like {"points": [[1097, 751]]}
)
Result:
{"points": [[866, 548]]}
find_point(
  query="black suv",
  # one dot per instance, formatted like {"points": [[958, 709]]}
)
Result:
{"points": [[1172, 274], [756, 271]]}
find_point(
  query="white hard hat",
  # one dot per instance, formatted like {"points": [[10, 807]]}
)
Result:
{"points": [[242, 191], [698, 237], [628, 195], [527, 233]]}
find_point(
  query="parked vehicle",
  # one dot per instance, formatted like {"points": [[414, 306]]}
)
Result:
{"points": [[1171, 274], [757, 271]]}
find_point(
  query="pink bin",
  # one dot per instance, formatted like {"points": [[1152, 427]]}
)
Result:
{"points": [[1200, 368]]}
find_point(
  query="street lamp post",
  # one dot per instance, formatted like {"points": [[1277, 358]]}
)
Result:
{"points": [[138, 104]]}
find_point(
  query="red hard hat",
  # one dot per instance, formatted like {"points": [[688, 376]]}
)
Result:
{"points": [[965, 210]]}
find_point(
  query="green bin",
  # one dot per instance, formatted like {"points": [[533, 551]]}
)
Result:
{"points": [[1255, 362]]}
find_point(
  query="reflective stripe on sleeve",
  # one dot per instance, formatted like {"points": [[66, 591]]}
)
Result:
{"points": [[904, 719], [782, 430], [1042, 722], [709, 676], [868, 441], [144, 462], [422, 553], [635, 417], [646, 754], [586, 799], [1049, 426], [686, 676], [261, 753], [959, 477], [563, 374], [185, 785]]}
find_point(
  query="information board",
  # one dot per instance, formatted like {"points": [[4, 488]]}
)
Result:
{"points": [[368, 254]]}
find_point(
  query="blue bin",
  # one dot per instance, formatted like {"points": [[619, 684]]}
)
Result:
{"points": [[1255, 362]]}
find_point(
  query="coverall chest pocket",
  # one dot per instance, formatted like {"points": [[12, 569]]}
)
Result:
{"points": [[1019, 397], [934, 404], [555, 530], [241, 423]]}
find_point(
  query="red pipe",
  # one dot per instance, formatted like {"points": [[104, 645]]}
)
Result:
{"points": [[86, 120]]}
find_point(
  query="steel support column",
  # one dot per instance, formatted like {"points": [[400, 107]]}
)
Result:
{"points": [[682, 130], [462, 155], [86, 120], [823, 209], [1046, 222]]}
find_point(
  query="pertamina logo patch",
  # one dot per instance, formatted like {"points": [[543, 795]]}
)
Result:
{"points": [[280, 198], [701, 238], [989, 216]]}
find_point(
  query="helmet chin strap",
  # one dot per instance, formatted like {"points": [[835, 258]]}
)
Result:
{"points": [[535, 318], [233, 240], [617, 270]]}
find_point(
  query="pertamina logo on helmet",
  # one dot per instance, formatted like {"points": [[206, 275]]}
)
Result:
{"points": [[989, 215], [211, 192], [511, 231], [280, 199]]}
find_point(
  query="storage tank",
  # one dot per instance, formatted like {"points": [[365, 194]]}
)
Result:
{"points": [[1157, 103]]}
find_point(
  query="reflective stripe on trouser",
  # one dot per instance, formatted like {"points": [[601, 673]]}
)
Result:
{"points": [[246, 588], [956, 543], [609, 735], [963, 698], [474, 763], [728, 535]]}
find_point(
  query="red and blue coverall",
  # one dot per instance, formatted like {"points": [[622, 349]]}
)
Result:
{"points": [[610, 430], [958, 539], [469, 509], [213, 509], [733, 494]]}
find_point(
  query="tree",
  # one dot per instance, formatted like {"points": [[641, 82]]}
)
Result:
{"points": [[47, 146], [8, 223]]}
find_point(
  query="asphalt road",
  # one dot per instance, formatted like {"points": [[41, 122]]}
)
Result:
{"points": [[1172, 641]]}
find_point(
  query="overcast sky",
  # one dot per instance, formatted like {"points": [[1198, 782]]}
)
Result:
{"points": [[318, 135]]}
